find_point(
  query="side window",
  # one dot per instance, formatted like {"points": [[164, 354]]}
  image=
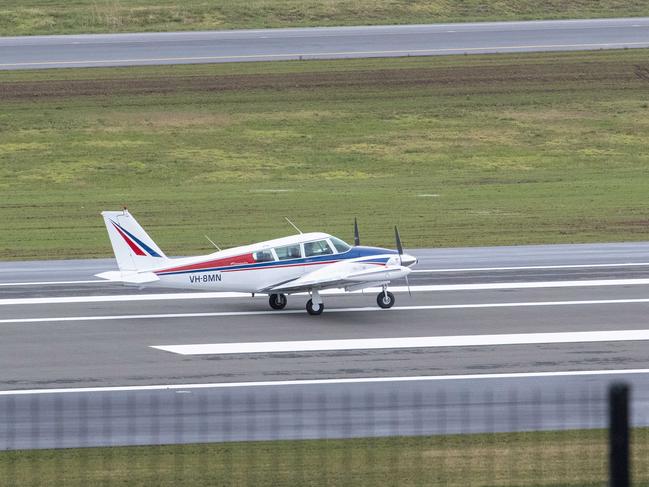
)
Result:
{"points": [[288, 252], [321, 247], [263, 256]]}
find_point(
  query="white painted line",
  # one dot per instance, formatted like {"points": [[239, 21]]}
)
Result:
{"points": [[50, 283], [404, 52], [396, 289], [406, 342], [330, 310], [123, 297], [315, 382], [157, 316], [532, 267]]}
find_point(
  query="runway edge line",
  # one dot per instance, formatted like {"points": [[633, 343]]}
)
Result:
{"points": [[359, 380]]}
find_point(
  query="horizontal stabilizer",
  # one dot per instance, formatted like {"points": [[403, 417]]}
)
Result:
{"points": [[129, 277]]}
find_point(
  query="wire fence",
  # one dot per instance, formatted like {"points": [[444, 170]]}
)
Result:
{"points": [[361, 435]]}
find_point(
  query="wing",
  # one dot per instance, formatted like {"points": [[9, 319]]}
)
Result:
{"points": [[345, 274]]}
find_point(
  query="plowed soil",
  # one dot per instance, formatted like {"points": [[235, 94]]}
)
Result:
{"points": [[492, 76]]}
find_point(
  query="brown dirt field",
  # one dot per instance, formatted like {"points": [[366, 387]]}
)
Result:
{"points": [[504, 75]]}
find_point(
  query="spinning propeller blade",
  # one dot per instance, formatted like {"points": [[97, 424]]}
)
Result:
{"points": [[398, 238], [357, 238], [400, 250]]}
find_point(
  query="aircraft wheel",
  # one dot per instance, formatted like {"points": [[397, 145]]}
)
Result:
{"points": [[385, 300], [314, 309], [277, 301]]}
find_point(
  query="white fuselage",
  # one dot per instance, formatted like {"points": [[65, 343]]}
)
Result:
{"points": [[242, 269]]}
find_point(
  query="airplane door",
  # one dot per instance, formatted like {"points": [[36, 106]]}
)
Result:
{"points": [[290, 260]]}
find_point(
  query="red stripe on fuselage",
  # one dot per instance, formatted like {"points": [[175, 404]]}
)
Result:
{"points": [[227, 261], [134, 248]]}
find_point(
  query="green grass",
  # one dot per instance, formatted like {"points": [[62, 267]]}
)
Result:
{"points": [[569, 458], [467, 150], [29, 17]]}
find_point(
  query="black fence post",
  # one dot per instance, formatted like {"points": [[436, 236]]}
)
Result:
{"points": [[618, 400]]}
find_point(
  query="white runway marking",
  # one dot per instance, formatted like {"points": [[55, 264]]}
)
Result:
{"points": [[358, 380], [403, 52], [50, 283], [396, 289], [533, 267], [124, 297], [330, 310], [406, 342]]}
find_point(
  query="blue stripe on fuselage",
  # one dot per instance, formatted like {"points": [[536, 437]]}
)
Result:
{"points": [[361, 251], [354, 253]]}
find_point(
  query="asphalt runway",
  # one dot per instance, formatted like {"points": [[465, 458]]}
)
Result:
{"points": [[309, 411], [63, 329], [39, 52]]}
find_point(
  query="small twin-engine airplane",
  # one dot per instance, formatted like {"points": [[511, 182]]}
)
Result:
{"points": [[308, 262]]}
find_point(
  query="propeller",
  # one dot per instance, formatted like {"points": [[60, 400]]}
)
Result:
{"points": [[400, 250], [357, 238], [399, 246]]}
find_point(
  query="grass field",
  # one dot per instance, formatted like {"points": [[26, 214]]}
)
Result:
{"points": [[504, 149], [571, 458], [29, 17]]}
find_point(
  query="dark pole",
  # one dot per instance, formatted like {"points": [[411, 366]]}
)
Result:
{"points": [[618, 400]]}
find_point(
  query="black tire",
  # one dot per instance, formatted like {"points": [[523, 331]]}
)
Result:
{"points": [[277, 301], [385, 300], [314, 311]]}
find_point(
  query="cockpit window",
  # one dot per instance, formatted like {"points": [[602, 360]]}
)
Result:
{"points": [[263, 256], [288, 252], [341, 247], [321, 247]]}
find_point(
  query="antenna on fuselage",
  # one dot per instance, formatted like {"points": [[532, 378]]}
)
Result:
{"points": [[216, 246], [292, 224]]}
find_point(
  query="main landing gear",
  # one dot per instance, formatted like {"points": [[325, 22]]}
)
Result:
{"points": [[385, 299], [277, 301], [315, 306]]}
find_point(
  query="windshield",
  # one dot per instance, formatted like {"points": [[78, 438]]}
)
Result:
{"points": [[341, 247]]}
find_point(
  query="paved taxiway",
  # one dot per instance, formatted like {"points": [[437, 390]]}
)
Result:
{"points": [[103, 337], [301, 411], [320, 43]]}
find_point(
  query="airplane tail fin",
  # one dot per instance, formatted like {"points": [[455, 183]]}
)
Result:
{"points": [[134, 249]]}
